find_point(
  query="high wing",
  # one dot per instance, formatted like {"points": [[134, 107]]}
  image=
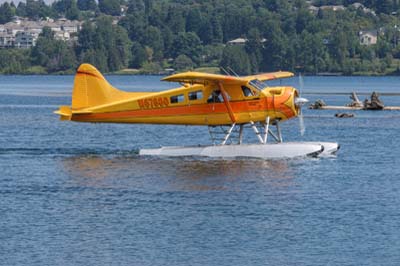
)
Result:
{"points": [[270, 76], [201, 78]]}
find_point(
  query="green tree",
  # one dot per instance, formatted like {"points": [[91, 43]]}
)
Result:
{"points": [[138, 55], [135, 27], [276, 52], [136, 7], [104, 44], [312, 52], [72, 12], [153, 38], [339, 47], [236, 58], [168, 39], [110, 7], [182, 62], [21, 9], [194, 20], [254, 48], [121, 50], [36, 9], [53, 54], [211, 31], [67, 8], [14, 61], [385, 6], [189, 44], [6, 13], [175, 19], [86, 5]]}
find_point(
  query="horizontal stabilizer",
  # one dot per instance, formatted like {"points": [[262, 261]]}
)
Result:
{"points": [[64, 112]]}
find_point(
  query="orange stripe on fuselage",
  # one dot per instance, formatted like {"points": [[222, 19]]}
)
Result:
{"points": [[262, 104], [199, 109]]}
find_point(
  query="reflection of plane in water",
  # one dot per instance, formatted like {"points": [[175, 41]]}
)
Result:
{"points": [[226, 104], [169, 175]]}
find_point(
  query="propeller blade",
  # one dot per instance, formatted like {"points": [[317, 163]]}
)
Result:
{"points": [[301, 124], [299, 101], [301, 83]]}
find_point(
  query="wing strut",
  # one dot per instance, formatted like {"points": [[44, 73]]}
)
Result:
{"points": [[227, 104]]}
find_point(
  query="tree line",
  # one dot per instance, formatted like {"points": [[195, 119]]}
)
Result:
{"points": [[185, 34]]}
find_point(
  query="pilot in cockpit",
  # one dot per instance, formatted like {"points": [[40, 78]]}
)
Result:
{"points": [[215, 97]]}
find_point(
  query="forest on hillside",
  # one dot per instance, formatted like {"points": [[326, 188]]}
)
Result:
{"points": [[186, 34]]}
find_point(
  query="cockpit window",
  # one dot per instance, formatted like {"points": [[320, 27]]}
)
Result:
{"points": [[259, 85], [247, 91]]}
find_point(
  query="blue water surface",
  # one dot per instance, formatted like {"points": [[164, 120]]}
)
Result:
{"points": [[79, 194]]}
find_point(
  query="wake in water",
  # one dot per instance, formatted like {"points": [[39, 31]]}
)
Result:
{"points": [[67, 152], [37, 93]]}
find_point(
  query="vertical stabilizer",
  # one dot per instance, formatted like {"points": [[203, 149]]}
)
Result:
{"points": [[92, 89]]}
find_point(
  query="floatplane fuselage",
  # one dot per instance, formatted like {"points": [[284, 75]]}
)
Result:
{"points": [[203, 99]]}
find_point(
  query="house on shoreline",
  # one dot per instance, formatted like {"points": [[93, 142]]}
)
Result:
{"points": [[23, 33], [368, 37]]}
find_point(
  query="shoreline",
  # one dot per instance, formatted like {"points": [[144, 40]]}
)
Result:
{"points": [[141, 73]]}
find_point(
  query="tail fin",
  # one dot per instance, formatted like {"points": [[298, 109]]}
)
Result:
{"points": [[92, 89]]}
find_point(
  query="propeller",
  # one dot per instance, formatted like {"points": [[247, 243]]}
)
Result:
{"points": [[299, 102]]}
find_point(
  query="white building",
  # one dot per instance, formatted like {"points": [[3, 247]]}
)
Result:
{"points": [[6, 40], [242, 41], [238, 41], [25, 39], [23, 33], [368, 37]]}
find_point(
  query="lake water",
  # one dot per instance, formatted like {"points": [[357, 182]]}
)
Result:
{"points": [[78, 194]]}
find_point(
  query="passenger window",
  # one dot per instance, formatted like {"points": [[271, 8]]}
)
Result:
{"points": [[177, 98], [195, 95]]}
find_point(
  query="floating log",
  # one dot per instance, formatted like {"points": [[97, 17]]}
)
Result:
{"points": [[344, 115], [374, 104], [347, 93], [355, 101], [333, 107]]}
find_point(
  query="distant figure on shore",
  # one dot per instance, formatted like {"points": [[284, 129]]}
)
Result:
{"points": [[318, 104], [374, 104]]}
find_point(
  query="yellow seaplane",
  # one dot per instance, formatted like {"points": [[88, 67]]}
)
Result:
{"points": [[225, 103]]}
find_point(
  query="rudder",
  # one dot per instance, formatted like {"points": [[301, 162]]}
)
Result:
{"points": [[92, 89]]}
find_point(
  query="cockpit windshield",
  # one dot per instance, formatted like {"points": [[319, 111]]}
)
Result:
{"points": [[259, 85]]}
